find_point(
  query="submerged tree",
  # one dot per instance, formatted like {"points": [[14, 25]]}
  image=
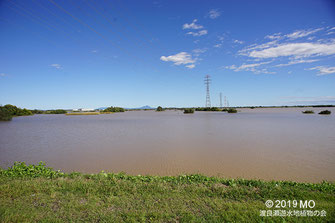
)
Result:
{"points": [[9, 111], [114, 109], [188, 110], [325, 112], [159, 108]]}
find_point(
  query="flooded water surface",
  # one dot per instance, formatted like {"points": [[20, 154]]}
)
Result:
{"points": [[268, 143]]}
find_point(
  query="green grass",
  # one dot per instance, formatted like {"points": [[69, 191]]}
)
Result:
{"points": [[39, 194]]}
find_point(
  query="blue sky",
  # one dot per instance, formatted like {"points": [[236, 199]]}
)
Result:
{"points": [[84, 53]]}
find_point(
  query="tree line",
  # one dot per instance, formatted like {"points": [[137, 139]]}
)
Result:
{"points": [[7, 112]]}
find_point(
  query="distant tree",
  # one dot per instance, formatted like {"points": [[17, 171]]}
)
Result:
{"points": [[325, 112], [4, 114], [57, 111], [232, 110], [188, 111], [308, 112], [8, 111], [35, 111], [114, 109], [208, 109], [159, 108]]}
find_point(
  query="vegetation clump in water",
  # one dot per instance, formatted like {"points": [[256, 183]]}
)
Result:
{"points": [[57, 111], [9, 111], [325, 112], [231, 110], [159, 108], [308, 112], [188, 111], [113, 109], [208, 109]]}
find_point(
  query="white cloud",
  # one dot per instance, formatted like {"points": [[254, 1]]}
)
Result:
{"points": [[273, 36], [3, 74], [192, 25], [302, 33], [214, 13], [219, 45], [295, 62], [250, 67], [238, 41], [199, 51], [247, 50], [323, 70], [199, 33], [180, 59], [295, 49], [94, 51], [57, 66], [191, 66], [291, 49]]}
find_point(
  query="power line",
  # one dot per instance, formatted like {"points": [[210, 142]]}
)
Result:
{"points": [[108, 20], [91, 28], [37, 18], [54, 14]]}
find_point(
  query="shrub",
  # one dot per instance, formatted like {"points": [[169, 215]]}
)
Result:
{"points": [[325, 112], [208, 109], [308, 112], [5, 115], [188, 110], [9, 111], [35, 111], [113, 109], [57, 111], [231, 110], [159, 108], [21, 169]]}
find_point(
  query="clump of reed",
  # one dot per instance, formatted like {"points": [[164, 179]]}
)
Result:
{"points": [[308, 112], [325, 112], [83, 113]]}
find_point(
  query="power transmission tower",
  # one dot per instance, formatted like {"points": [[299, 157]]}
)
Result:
{"points": [[208, 98], [220, 99], [225, 101]]}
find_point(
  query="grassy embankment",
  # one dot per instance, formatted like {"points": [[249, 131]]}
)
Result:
{"points": [[83, 113], [39, 194]]}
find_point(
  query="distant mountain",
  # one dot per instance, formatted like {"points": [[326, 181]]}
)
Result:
{"points": [[143, 107]]}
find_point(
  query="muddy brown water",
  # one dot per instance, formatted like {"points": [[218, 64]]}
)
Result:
{"points": [[268, 143]]}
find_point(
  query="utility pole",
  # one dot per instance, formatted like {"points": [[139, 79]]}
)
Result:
{"points": [[208, 98], [220, 99]]}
